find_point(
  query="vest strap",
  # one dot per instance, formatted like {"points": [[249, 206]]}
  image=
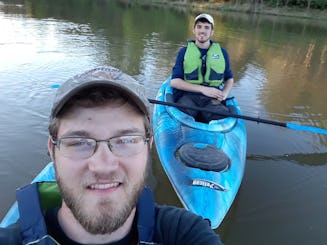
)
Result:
{"points": [[146, 216], [31, 219]]}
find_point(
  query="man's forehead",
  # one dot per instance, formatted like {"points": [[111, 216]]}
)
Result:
{"points": [[203, 23]]}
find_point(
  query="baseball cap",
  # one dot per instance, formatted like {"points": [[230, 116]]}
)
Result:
{"points": [[208, 17], [106, 76]]}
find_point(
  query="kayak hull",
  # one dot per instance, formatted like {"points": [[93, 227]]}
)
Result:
{"points": [[46, 174], [208, 193]]}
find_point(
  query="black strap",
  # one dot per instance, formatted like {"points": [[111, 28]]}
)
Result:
{"points": [[31, 217]]}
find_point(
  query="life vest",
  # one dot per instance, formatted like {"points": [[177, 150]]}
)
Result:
{"points": [[215, 65], [34, 198]]}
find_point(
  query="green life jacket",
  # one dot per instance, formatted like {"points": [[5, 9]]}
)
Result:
{"points": [[215, 65]]}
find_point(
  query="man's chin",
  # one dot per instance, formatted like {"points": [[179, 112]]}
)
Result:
{"points": [[203, 40]]}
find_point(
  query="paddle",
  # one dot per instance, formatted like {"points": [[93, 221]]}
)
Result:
{"points": [[254, 119]]}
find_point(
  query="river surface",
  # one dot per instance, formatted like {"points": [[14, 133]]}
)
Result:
{"points": [[280, 71]]}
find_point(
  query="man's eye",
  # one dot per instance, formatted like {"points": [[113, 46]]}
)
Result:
{"points": [[124, 141], [127, 140], [75, 143]]}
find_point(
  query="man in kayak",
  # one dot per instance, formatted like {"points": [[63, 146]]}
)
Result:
{"points": [[201, 75], [100, 139]]}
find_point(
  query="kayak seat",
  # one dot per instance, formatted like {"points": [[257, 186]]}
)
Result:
{"points": [[203, 156], [176, 113], [170, 98]]}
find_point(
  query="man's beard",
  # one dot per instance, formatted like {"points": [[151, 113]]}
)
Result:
{"points": [[107, 218], [202, 37], [203, 40]]}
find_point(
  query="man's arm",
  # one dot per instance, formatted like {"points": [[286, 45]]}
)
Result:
{"points": [[181, 84], [212, 92], [228, 76], [228, 85]]}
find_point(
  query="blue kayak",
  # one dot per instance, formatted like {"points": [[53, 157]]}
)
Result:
{"points": [[46, 174], [204, 162]]}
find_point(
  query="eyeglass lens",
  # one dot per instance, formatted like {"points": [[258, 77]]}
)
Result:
{"points": [[81, 148]]}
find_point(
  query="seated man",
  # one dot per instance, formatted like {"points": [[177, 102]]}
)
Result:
{"points": [[201, 75]]}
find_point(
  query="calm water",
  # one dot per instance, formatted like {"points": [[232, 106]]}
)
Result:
{"points": [[280, 68]]}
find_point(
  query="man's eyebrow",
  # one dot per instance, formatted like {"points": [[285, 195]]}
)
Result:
{"points": [[130, 131], [76, 133], [83, 133]]}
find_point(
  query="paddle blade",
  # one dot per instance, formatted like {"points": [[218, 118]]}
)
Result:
{"points": [[306, 128]]}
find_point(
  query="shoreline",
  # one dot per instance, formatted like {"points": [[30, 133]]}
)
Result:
{"points": [[265, 10], [259, 9]]}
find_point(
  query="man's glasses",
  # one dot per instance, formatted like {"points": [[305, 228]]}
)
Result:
{"points": [[82, 148]]}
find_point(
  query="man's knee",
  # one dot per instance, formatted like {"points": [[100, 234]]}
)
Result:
{"points": [[187, 101]]}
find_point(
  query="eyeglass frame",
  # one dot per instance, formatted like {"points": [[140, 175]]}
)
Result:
{"points": [[56, 143]]}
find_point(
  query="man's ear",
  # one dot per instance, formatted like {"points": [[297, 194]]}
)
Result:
{"points": [[151, 142], [51, 147]]}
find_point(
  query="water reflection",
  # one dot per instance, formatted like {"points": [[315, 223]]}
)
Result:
{"points": [[311, 159], [291, 58], [280, 71]]}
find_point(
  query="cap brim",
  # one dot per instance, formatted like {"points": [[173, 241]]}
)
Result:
{"points": [[102, 76], [130, 94]]}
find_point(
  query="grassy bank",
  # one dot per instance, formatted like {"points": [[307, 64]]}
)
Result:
{"points": [[263, 9], [245, 8]]}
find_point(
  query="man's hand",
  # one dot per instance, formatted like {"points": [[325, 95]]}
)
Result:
{"points": [[214, 93], [211, 92]]}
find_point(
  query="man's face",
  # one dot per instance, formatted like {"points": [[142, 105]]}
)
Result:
{"points": [[102, 190], [202, 31]]}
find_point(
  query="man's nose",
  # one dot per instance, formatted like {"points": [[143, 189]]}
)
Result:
{"points": [[103, 159]]}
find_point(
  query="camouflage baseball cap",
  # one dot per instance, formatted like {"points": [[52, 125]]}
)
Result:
{"points": [[106, 76]]}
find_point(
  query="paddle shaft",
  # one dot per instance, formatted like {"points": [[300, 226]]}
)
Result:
{"points": [[254, 119], [218, 113]]}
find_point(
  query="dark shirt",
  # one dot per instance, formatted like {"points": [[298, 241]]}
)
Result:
{"points": [[54, 230], [174, 226]]}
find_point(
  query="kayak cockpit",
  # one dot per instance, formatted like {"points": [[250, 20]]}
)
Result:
{"points": [[203, 156], [222, 125]]}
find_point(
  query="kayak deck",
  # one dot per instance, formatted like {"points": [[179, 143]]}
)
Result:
{"points": [[206, 192]]}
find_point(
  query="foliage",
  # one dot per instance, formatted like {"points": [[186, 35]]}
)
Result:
{"points": [[310, 4]]}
